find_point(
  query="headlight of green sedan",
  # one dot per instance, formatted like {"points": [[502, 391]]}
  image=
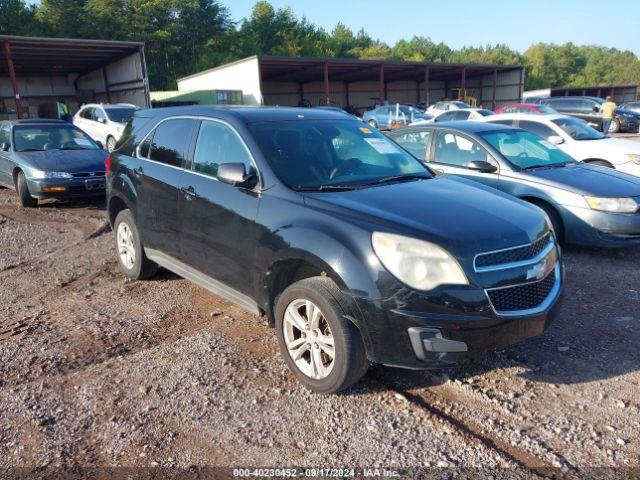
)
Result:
{"points": [[635, 158], [40, 175], [416, 263], [613, 205]]}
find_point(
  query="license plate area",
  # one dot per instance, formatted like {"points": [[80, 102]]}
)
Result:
{"points": [[94, 184]]}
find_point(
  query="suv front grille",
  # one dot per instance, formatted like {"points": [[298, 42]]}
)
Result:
{"points": [[512, 255], [523, 297]]}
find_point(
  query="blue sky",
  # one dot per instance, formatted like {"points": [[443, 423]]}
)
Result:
{"points": [[518, 23]]}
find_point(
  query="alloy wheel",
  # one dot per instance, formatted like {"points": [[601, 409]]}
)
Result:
{"points": [[126, 250], [308, 338]]}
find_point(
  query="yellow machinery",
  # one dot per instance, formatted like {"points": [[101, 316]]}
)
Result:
{"points": [[458, 95]]}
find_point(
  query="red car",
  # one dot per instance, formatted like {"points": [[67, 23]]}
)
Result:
{"points": [[525, 108]]}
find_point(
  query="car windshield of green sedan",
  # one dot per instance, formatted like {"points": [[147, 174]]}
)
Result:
{"points": [[37, 138], [330, 154], [526, 150]]}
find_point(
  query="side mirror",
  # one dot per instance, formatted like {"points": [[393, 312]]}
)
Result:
{"points": [[482, 166], [236, 175], [596, 109], [555, 139], [102, 120], [5, 146]]}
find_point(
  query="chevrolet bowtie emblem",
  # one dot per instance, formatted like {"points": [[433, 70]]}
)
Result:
{"points": [[539, 270]]}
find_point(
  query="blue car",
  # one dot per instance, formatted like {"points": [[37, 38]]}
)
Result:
{"points": [[385, 117], [50, 159]]}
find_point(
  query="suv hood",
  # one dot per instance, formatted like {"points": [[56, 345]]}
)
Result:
{"points": [[71, 161], [462, 216], [587, 180]]}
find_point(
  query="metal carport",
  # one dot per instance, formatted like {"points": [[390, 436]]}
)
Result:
{"points": [[277, 80], [40, 70]]}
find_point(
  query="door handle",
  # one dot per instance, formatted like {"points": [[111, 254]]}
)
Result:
{"points": [[138, 171], [189, 192]]}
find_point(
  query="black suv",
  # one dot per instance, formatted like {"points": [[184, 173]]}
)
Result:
{"points": [[355, 251], [588, 109]]}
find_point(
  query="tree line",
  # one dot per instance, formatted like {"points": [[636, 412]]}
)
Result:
{"points": [[186, 36]]}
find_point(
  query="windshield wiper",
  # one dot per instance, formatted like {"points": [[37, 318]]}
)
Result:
{"points": [[551, 165], [399, 178], [326, 188]]}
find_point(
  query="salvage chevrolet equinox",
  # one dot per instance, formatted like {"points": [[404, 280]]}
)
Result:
{"points": [[355, 251]]}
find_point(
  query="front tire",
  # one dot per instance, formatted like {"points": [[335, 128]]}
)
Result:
{"points": [[322, 348], [22, 189], [111, 144], [614, 127], [132, 260], [554, 218], [601, 163]]}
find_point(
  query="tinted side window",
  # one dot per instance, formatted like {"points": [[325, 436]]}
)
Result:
{"points": [[5, 133], [98, 114], [445, 117], [87, 113], [415, 142], [454, 149], [461, 115], [536, 128], [218, 144], [170, 142], [509, 123]]}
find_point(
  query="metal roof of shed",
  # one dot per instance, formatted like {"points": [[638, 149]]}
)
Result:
{"points": [[309, 69], [46, 57]]}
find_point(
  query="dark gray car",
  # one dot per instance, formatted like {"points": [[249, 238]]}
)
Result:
{"points": [[50, 159], [587, 204]]}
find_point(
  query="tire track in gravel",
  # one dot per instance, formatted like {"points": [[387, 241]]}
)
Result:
{"points": [[444, 408]]}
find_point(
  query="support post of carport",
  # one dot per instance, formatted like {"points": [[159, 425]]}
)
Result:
{"points": [[14, 80], [381, 85], [325, 74], [494, 84], [346, 93], [426, 87], [106, 84], [463, 84]]}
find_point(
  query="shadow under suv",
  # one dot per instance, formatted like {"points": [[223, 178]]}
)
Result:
{"points": [[356, 251]]}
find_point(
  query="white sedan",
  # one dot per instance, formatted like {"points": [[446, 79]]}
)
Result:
{"points": [[578, 139], [104, 122]]}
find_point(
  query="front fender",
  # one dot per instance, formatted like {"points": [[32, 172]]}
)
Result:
{"points": [[122, 187]]}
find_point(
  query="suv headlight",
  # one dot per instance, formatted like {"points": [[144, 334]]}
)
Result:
{"points": [[41, 175], [418, 264], [635, 158], [613, 205]]}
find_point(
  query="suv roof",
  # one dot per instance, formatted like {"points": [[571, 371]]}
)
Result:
{"points": [[245, 113]]}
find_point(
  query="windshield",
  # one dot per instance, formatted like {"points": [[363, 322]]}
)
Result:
{"points": [[485, 113], [461, 104], [545, 109], [120, 114], [50, 137], [526, 150], [578, 129], [315, 154]]}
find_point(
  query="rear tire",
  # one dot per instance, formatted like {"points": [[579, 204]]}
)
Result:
{"points": [[22, 189], [111, 144], [312, 342], [132, 260], [601, 163]]}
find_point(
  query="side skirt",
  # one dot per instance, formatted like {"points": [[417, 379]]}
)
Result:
{"points": [[206, 282]]}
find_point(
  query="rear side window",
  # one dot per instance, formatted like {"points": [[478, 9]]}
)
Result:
{"points": [[5, 133], [217, 144], [170, 142], [415, 142], [536, 128]]}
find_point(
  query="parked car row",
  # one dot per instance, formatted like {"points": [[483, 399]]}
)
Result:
{"points": [[421, 249]]}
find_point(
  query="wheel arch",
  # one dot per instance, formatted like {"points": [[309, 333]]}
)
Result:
{"points": [[591, 160], [546, 204]]}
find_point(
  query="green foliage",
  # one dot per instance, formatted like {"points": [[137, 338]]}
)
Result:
{"points": [[186, 36]]}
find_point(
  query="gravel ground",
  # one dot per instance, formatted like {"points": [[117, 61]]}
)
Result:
{"points": [[97, 371]]}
